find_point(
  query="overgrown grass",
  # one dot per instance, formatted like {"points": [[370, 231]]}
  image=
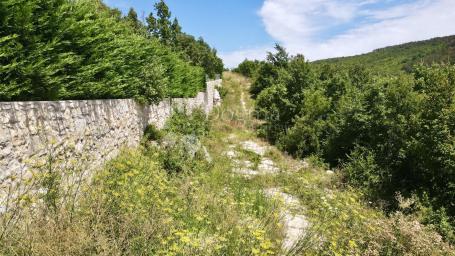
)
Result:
{"points": [[342, 222], [138, 205]]}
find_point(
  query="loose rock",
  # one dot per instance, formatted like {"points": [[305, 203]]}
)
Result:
{"points": [[254, 147], [295, 225]]}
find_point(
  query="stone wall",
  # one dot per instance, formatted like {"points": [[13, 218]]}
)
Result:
{"points": [[89, 131]]}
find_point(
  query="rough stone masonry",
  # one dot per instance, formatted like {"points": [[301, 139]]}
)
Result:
{"points": [[88, 131]]}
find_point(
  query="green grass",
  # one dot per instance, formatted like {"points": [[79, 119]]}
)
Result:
{"points": [[135, 206]]}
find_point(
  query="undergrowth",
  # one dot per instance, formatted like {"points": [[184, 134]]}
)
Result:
{"points": [[170, 196], [136, 205]]}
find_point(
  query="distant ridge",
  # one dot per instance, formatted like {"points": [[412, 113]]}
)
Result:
{"points": [[399, 58]]}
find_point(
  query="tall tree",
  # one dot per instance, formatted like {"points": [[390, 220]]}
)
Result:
{"points": [[152, 26], [163, 22], [280, 58], [132, 18], [176, 30], [170, 33]]}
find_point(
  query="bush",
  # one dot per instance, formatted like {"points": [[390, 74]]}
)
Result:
{"points": [[361, 171], [223, 92], [195, 123], [388, 133], [132, 184], [343, 224], [152, 133], [182, 154], [440, 221], [134, 207], [248, 68]]}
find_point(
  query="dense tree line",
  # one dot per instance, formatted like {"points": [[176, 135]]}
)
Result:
{"points": [[387, 134], [62, 49], [169, 32]]}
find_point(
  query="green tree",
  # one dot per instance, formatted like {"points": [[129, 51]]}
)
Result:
{"points": [[280, 58], [176, 30], [248, 68], [197, 52], [271, 71], [152, 25], [133, 20], [163, 22]]}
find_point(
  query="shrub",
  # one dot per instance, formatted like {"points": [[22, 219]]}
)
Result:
{"points": [[389, 133], [182, 149], [361, 171], [181, 122], [223, 92], [441, 222], [248, 68], [182, 154], [132, 184], [152, 133]]}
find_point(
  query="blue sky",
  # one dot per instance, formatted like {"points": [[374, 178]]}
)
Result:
{"points": [[227, 25], [241, 29]]}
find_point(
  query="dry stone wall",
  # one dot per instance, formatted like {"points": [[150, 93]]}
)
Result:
{"points": [[91, 131]]}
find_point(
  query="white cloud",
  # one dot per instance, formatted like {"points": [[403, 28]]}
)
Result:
{"points": [[399, 11], [291, 20], [423, 21], [312, 27]]}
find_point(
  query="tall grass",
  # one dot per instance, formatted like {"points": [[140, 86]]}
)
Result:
{"points": [[136, 206]]}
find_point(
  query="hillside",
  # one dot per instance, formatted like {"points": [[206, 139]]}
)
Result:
{"points": [[394, 59]]}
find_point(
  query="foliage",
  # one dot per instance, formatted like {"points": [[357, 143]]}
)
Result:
{"points": [[344, 225], [152, 133], [133, 20], [362, 171], [197, 52], [195, 123], [134, 206], [223, 92], [180, 142], [131, 184], [270, 71], [401, 58], [63, 49], [387, 133], [248, 68], [162, 27]]}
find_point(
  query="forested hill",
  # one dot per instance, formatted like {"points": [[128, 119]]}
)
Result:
{"points": [[394, 59]]}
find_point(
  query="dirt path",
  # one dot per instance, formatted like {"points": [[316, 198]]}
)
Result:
{"points": [[242, 102], [293, 221], [250, 158]]}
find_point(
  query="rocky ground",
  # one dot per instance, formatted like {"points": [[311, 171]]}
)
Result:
{"points": [[250, 159]]}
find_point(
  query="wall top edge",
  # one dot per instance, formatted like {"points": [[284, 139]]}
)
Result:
{"points": [[2, 103]]}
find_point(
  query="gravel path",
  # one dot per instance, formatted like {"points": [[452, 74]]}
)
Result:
{"points": [[294, 222]]}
